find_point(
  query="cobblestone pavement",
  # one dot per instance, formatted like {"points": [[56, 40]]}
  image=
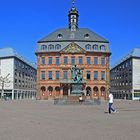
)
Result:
{"points": [[42, 120]]}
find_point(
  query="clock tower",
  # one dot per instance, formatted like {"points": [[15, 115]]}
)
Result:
{"points": [[66, 47], [73, 17]]}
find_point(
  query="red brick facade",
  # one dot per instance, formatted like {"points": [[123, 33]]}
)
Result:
{"points": [[58, 88], [77, 44]]}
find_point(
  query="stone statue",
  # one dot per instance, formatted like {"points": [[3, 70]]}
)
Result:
{"points": [[76, 78], [76, 74]]}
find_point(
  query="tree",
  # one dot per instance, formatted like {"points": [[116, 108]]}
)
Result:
{"points": [[3, 81]]}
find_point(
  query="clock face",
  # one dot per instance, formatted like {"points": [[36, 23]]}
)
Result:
{"points": [[73, 27]]}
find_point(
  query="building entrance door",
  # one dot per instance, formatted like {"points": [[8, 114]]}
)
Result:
{"points": [[65, 91]]}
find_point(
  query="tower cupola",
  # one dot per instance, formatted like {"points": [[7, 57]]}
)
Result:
{"points": [[73, 17]]}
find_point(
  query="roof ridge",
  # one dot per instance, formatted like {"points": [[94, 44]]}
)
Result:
{"points": [[132, 53], [10, 52]]}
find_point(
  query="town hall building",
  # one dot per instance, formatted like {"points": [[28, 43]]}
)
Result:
{"points": [[64, 48]]}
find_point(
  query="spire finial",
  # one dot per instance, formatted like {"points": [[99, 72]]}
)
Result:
{"points": [[73, 3], [73, 17]]}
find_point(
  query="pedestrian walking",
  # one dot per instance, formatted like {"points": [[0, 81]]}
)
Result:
{"points": [[80, 99], [110, 109]]}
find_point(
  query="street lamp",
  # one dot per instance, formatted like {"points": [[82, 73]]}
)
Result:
{"points": [[3, 80]]}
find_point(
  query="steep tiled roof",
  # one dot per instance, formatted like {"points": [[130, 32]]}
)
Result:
{"points": [[81, 34]]}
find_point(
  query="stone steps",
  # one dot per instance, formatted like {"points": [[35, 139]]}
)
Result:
{"points": [[76, 102]]}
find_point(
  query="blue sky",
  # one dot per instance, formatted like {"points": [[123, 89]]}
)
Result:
{"points": [[24, 22]]}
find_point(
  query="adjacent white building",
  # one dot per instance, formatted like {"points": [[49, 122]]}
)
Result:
{"points": [[17, 76], [125, 77]]}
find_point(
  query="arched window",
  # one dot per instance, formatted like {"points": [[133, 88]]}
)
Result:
{"points": [[43, 47], [96, 91], [43, 89], [95, 47], [51, 47], [102, 91], [57, 91], [50, 88], [88, 91], [57, 46], [88, 47], [57, 88], [102, 47]]}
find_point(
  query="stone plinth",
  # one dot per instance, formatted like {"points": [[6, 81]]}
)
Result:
{"points": [[77, 89]]}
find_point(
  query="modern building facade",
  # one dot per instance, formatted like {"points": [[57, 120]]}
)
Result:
{"points": [[17, 76], [125, 77], [66, 47]]}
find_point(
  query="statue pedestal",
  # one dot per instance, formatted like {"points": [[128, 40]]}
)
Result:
{"points": [[77, 89]]}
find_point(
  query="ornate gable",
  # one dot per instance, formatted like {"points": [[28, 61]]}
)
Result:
{"points": [[73, 48]]}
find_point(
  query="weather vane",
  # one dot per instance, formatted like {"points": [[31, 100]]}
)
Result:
{"points": [[73, 2]]}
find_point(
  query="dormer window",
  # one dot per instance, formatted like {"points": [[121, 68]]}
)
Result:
{"points": [[51, 47], [43, 47], [86, 35], [59, 36], [88, 47], [57, 46], [102, 47], [95, 47]]}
